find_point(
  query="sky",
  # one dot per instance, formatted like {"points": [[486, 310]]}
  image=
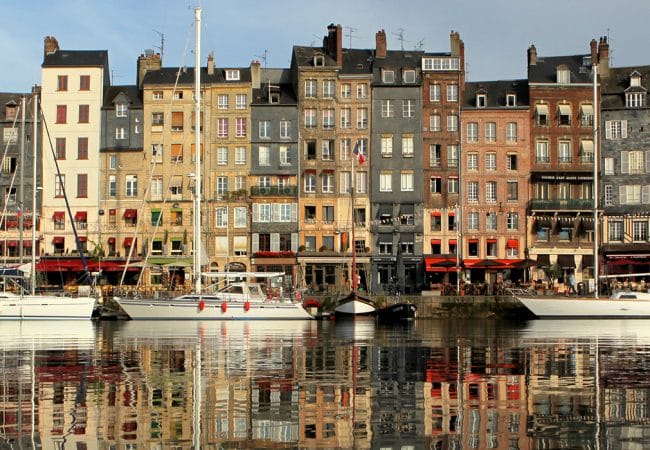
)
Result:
{"points": [[496, 33]]}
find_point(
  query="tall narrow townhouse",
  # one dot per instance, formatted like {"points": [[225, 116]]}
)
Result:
{"points": [[17, 132], [443, 78], [624, 194], [495, 168], [274, 172], [561, 117], [396, 194], [334, 100], [72, 94]]}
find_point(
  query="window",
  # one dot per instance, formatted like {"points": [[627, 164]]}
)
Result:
{"points": [[387, 76], [361, 182], [472, 221], [310, 182], [222, 101], [60, 148], [344, 149], [407, 181], [157, 95], [120, 133], [541, 152], [434, 122], [615, 129], [472, 132], [640, 230], [541, 114], [329, 88], [512, 221], [452, 123], [586, 115], [311, 88], [452, 185], [61, 113], [285, 156], [631, 195], [513, 190], [491, 161], [156, 153], [511, 132], [328, 214], [84, 113], [511, 162], [327, 150], [9, 165], [221, 186], [131, 186], [265, 129], [310, 118], [407, 146], [239, 217], [491, 192], [511, 100], [472, 192], [563, 75], [586, 151], [345, 182], [112, 162], [59, 185], [615, 230], [346, 90], [385, 245], [385, 181], [222, 156], [434, 92], [10, 135], [328, 119], [481, 100], [112, 186], [328, 182], [609, 195], [387, 108], [491, 221], [264, 156], [232, 74], [564, 115], [177, 153], [84, 82], [409, 76], [490, 132], [434, 155], [240, 123], [285, 129], [241, 101], [62, 83], [564, 152], [472, 161], [264, 212], [435, 185], [452, 156], [346, 118], [408, 108], [632, 162], [635, 99], [452, 93], [121, 110], [362, 90], [436, 222], [362, 118], [157, 119], [82, 185], [491, 247], [222, 127]]}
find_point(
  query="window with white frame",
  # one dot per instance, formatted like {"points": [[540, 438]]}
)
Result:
{"points": [[511, 100], [346, 118], [310, 118], [635, 99], [407, 146], [632, 162], [491, 221], [541, 152], [491, 192], [311, 88], [472, 221], [131, 186], [512, 221], [608, 166], [434, 122], [222, 101], [240, 127], [328, 119], [615, 129], [327, 150], [563, 75], [263, 212], [240, 101], [121, 110], [285, 156], [472, 132], [361, 182], [329, 88], [156, 153], [328, 182], [481, 100], [222, 127], [615, 230], [407, 181], [232, 74], [386, 145], [511, 161], [362, 90], [387, 76], [120, 133], [240, 155], [472, 192], [387, 108], [564, 154], [345, 182], [264, 156], [285, 129], [513, 190], [408, 108], [511, 132], [346, 90], [435, 155], [221, 186], [631, 194], [240, 182], [491, 161], [640, 230], [409, 76], [452, 122], [362, 118], [222, 156], [434, 93], [240, 217], [344, 149], [452, 156], [265, 129], [490, 132], [472, 161], [310, 182], [112, 187], [435, 185], [609, 195], [452, 92], [385, 181], [452, 185]]}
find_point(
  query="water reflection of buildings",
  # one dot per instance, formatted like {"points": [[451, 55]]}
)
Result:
{"points": [[313, 386]]}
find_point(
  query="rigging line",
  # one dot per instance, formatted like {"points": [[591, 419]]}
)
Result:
{"points": [[65, 196]]}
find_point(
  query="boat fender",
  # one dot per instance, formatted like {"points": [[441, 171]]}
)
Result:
{"points": [[224, 307], [247, 306], [201, 305], [298, 296], [269, 296]]}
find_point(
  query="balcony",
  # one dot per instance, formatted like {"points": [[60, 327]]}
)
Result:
{"points": [[555, 204], [291, 191]]}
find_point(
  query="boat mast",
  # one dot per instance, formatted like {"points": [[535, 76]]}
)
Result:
{"points": [[596, 156], [197, 136], [353, 269], [34, 189]]}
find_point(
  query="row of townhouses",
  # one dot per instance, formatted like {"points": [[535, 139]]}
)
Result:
{"points": [[390, 156]]}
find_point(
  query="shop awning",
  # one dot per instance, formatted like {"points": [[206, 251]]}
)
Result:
{"points": [[27, 243], [566, 261], [80, 216], [58, 240], [83, 239], [128, 241], [58, 215], [130, 213], [111, 240], [440, 264], [543, 261], [587, 261], [12, 243], [436, 214], [512, 243]]}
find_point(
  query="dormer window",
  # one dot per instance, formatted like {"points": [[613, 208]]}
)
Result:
{"points": [[635, 95], [481, 100], [511, 100], [121, 110], [388, 76], [232, 74], [635, 79], [319, 61], [10, 111], [274, 97], [563, 75], [409, 76]]}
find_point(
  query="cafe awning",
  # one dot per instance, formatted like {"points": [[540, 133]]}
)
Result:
{"points": [[543, 261], [566, 261], [58, 240], [587, 261], [130, 213]]}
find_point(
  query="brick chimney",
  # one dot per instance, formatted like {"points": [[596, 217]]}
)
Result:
{"points": [[532, 56], [51, 45], [380, 44], [256, 74], [455, 43], [333, 42], [603, 57], [148, 61], [593, 45], [211, 63]]}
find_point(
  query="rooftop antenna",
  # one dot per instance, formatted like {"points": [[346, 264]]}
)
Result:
{"points": [[113, 77], [318, 39], [400, 38], [161, 47], [419, 44], [263, 57], [611, 49], [349, 33]]}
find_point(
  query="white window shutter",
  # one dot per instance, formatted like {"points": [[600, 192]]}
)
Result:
{"points": [[275, 242], [275, 212], [625, 163], [624, 129], [256, 212], [608, 129], [645, 194], [255, 243], [294, 242], [622, 195], [294, 212], [647, 161]]}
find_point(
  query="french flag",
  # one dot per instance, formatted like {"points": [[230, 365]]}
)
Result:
{"points": [[358, 152]]}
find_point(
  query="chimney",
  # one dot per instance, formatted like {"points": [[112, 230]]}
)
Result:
{"points": [[256, 74], [455, 43], [51, 45], [333, 42], [148, 61], [603, 57], [532, 56], [211, 63], [380, 48], [594, 52]]}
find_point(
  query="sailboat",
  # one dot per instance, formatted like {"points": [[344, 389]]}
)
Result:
{"points": [[32, 306], [243, 297]]}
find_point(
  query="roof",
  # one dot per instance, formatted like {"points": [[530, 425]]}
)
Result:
{"points": [[76, 58], [545, 70], [130, 91], [496, 92], [613, 87], [7, 98], [168, 75], [280, 81]]}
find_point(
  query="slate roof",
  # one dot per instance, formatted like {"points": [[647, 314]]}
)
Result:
{"points": [[131, 91], [614, 86], [496, 92], [76, 58], [167, 75], [280, 80], [545, 71]]}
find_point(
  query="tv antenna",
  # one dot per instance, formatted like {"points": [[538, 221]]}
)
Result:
{"points": [[400, 38], [419, 44], [263, 57], [162, 43], [349, 33]]}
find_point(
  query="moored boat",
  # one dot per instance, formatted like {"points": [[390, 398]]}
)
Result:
{"points": [[397, 312]]}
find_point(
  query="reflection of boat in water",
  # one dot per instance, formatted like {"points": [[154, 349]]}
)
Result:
{"points": [[615, 331], [47, 335], [620, 304]]}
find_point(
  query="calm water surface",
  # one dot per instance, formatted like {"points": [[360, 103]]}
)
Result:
{"points": [[429, 384]]}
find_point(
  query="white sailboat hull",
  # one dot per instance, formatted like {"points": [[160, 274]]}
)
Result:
{"points": [[45, 307], [213, 309], [355, 307], [585, 307]]}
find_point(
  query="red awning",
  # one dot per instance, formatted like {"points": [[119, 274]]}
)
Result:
{"points": [[436, 214], [58, 215], [130, 213], [491, 241], [80, 216], [111, 212], [512, 243], [452, 241], [111, 240], [128, 241], [310, 170], [440, 264], [12, 243], [435, 241], [83, 239], [473, 241], [58, 240], [27, 243], [451, 213]]}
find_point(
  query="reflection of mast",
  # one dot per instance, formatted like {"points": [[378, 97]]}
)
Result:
{"points": [[197, 395]]}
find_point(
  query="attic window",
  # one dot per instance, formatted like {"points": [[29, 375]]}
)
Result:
{"points": [[586, 61], [635, 80], [511, 100], [319, 61], [232, 74], [481, 100], [635, 99], [409, 76], [563, 75], [388, 76], [10, 111], [274, 97]]}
